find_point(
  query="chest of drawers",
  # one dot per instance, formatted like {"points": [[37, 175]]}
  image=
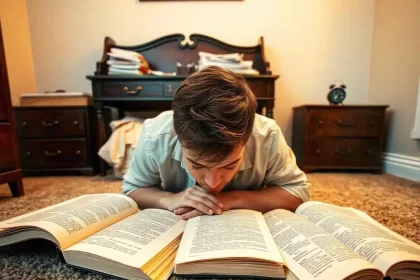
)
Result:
{"points": [[338, 137], [55, 139]]}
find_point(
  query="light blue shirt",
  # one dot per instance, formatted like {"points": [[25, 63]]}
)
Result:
{"points": [[267, 161]]}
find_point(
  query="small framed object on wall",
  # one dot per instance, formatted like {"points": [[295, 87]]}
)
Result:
{"points": [[183, 0]]}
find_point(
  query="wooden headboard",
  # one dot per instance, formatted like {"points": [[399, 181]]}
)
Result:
{"points": [[164, 53]]}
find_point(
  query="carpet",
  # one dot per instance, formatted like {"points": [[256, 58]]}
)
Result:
{"points": [[392, 201]]}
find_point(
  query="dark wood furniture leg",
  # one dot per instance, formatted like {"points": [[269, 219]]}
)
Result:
{"points": [[259, 108], [121, 113], [16, 187], [269, 107], [100, 124], [378, 171], [14, 179]]}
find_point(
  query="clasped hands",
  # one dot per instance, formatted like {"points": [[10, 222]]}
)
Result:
{"points": [[196, 201]]}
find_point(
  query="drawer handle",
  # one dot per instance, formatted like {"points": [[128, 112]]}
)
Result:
{"points": [[78, 152], [44, 123], [372, 123], [320, 122], [348, 152], [138, 89], [24, 123], [339, 122], [47, 153], [75, 123], [370, 152], [28, 154]]}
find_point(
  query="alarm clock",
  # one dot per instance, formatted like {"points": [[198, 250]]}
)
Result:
{"points": [[337, 94]]}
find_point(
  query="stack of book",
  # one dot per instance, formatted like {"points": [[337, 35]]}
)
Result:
{"points": [[232, 61], [125, 62]]}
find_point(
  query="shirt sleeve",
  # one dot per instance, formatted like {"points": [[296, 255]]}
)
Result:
{"points": [[282, 169], [143, 170]]}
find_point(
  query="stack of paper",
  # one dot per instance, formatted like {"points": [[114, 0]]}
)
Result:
{"points": [[233, 62], [125, 62]]}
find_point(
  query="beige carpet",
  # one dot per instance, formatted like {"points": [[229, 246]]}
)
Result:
{"points": [[391, 201]]}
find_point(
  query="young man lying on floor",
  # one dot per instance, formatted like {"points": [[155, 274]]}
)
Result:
{"points": [[212, 153]]}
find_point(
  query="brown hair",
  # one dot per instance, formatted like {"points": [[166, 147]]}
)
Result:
{"points": [[214, 112]]}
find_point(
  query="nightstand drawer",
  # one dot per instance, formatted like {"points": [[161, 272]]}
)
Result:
{"points": [[349, 122], [50, 123], [132, 89], [53, 153], [343, 152]]}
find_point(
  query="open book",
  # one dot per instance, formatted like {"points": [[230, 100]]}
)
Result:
{"points": [[107, 233], [323, 241], [235, 243], [319, 241]]}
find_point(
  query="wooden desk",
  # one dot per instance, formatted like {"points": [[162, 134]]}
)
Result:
{"points": [[155, 93]]}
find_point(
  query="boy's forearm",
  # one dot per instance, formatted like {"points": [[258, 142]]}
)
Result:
{"points": [[150, 197], [263, 200]]}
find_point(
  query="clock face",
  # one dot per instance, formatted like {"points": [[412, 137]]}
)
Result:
{"points": [[337, 96]]}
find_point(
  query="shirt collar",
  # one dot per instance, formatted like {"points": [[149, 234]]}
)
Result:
{"points": [[177, 155], [246, 163]]}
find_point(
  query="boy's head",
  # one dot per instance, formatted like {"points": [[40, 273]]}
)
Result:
{"points": [[214, 112]]}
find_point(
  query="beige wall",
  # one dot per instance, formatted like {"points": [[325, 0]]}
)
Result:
{"points": [[309, 43], [395, 69], [15, 30]]}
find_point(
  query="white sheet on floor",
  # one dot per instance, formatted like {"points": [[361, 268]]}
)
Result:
{"points": [[119, 148]]}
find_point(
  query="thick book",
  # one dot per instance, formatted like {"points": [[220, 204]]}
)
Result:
{"points": [[235, 243], [324, 241], [318, 241], [109, 234], [105, 233]]}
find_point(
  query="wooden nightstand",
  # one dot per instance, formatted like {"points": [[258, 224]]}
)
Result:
{"points": [[338, 137], [56, 139]]}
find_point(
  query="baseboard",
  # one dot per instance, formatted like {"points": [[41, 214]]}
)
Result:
{"points": [[403, 166]]}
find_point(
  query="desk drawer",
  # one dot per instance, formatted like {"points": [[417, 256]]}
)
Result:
{"points": [[343, 152], [51, 123], [171, 87], [53, 153], [338, 122], [132, 89]]}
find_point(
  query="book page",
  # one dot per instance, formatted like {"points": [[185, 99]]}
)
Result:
{"points": [[234, 233], [311, 253], [75, 219], [135, 240], [358, 231]]}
